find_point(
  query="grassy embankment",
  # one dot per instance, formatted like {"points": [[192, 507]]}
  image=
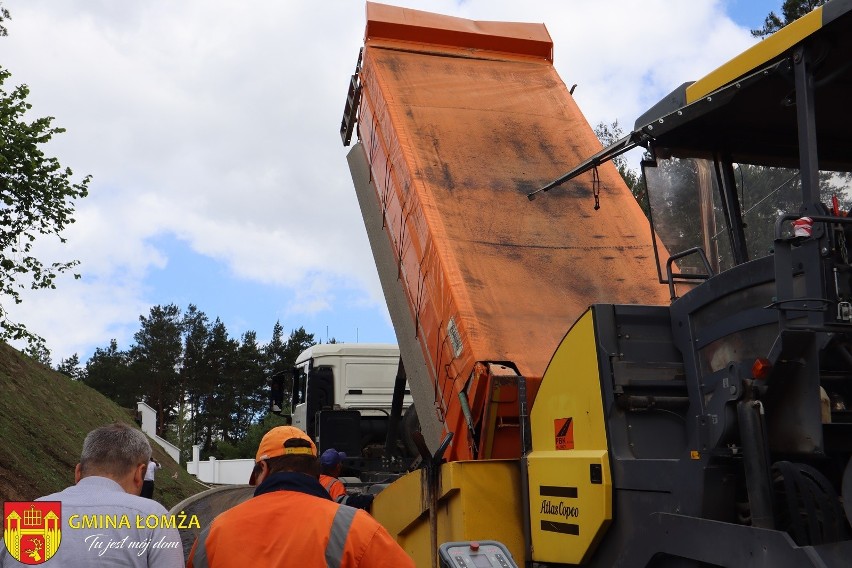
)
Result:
{"points": [[44, 417]]}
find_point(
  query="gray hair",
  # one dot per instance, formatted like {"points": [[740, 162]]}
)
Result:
{"points": [[114, 450]]}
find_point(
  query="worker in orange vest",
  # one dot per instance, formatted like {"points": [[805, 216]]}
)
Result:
{"points": [[291, 521], [331, 464]]}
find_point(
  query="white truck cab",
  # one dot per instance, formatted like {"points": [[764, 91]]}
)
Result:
{"points": [[342, 394]]}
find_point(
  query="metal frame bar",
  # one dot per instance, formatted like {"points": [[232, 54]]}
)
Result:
{"points": [[731, 207]]}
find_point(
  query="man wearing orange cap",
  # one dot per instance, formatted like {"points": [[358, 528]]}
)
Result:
{"points": [[291, 521]]}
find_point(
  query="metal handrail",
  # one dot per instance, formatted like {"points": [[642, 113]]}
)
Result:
{"points": [[671, 276]]}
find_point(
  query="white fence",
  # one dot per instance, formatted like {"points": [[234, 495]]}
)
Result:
{"points": [[222, 472], [149, 426]]}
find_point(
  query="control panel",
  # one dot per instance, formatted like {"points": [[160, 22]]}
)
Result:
{"points": [[475, 554]]}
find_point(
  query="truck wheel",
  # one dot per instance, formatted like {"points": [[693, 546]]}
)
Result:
{"points": [[806, 505]]}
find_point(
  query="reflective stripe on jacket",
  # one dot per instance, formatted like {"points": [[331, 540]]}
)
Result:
{"points": [[295, 528], [334, 486]]}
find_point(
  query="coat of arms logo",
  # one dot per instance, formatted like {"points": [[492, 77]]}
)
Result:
{"points": [[32, 530]]}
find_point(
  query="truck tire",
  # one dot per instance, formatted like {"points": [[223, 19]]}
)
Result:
{"points": [[806, 505]]}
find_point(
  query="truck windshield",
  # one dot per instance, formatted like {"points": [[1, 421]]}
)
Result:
{"points": [[686, 207]]}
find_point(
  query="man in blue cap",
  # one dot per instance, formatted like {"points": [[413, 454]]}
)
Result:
{"points": [[331, 466]]}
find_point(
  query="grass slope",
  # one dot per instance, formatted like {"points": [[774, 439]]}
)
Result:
{"points": [[44, 417]]}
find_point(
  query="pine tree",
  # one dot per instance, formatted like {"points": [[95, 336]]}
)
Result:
{"points": [[249, 387], [70, 367], [156, 359], [791, 11], [196, 333], [216, 384], [108, 372]]}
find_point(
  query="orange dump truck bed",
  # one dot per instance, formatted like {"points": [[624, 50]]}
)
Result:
{"points": [[459, 121]]}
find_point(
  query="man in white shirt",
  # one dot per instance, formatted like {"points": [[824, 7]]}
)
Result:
{"points": [[148, 483]]}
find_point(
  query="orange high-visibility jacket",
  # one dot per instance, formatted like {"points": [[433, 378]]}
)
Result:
{"points": [[334, 486], [295, 528]]}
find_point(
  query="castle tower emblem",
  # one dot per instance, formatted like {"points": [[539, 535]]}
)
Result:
{"points": [[32, 530]]}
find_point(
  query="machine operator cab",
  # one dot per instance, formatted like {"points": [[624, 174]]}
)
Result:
{"points": [[749, 171], [748, 187]]}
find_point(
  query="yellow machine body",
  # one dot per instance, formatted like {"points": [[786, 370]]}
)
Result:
{"points": [[570, 488], [476, 500]]}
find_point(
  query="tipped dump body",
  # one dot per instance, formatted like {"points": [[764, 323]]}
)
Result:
{"points": [[459, 121]]}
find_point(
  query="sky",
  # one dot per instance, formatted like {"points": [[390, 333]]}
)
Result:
{"points": [[210, 130]]}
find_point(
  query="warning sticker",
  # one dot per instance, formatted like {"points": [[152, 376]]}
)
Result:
{"points": [[564, 429]]}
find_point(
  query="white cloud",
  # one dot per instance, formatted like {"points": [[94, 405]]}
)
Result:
{"points": [[217, 123]]}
